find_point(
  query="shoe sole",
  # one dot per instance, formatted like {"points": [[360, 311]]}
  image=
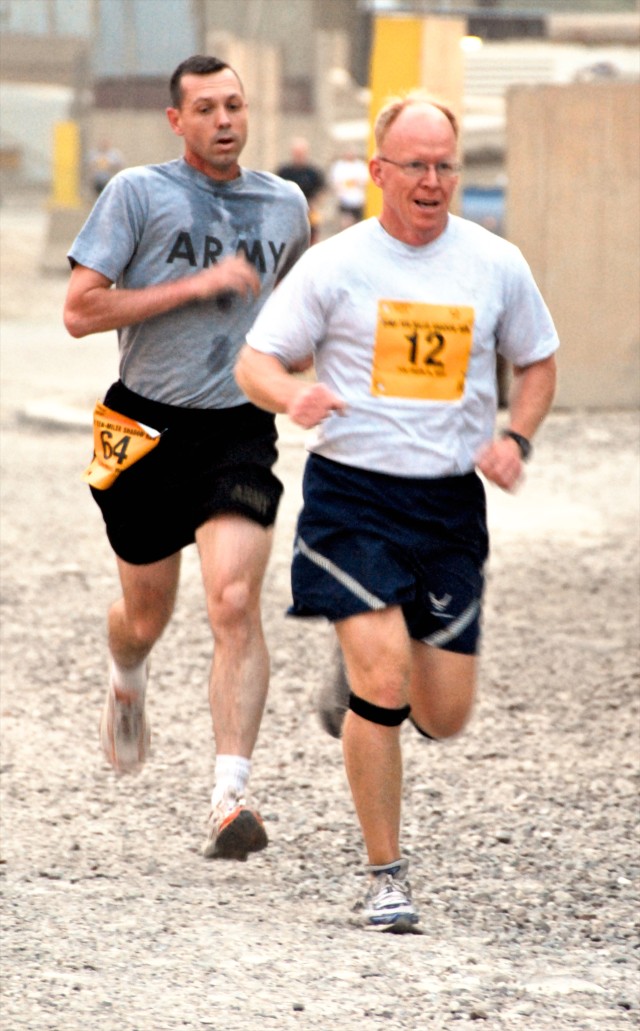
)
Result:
{"points": [[401, 925], [244, 834]]}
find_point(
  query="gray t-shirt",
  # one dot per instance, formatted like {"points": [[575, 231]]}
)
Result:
{"points": [[159, 223]]}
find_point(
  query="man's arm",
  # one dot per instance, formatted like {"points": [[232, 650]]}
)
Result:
{"points": [[92, 306], [532, 393], [267, 383]]}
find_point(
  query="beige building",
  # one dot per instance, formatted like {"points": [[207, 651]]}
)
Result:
{"points": [[550, 120], [574, 209]]}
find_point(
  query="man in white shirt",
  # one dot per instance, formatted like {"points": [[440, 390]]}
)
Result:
{"points": [[403, 317]]}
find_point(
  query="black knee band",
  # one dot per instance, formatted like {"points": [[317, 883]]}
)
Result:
{"points": [[377, 713]]}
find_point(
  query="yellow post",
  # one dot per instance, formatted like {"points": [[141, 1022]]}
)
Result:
{"points": [[66, 166], [414, 53], [395, 68]]}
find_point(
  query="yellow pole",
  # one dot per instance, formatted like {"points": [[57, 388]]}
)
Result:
{"points": [[413, 53], [66, 166], [395, 68]]}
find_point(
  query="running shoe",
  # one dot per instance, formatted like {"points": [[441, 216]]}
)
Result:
{"points": [[387, 904], [333, 698], [233, 831], [124, 731]]}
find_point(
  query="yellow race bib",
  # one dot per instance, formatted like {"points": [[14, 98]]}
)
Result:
{"points": [[421, 351], [118, 442]]}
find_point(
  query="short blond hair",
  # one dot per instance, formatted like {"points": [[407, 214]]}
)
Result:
{"points": [[394, 106]]}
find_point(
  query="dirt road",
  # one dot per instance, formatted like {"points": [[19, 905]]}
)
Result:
{"points": [[522, 833]]}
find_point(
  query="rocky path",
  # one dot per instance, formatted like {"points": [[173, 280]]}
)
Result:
{"points": [[522, 833]]}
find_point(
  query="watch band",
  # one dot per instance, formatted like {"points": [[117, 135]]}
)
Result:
{"points": [[525, 445]]}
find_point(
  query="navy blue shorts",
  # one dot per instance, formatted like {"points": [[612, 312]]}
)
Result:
{"points": [[367, 541], [208, 462]]}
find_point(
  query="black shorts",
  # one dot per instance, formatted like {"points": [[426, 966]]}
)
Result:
{"points": [[366, 541], [208, 462]]}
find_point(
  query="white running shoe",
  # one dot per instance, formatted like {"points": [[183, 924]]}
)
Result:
{"points": [[387, 904], [124, 732], [233, 831]]}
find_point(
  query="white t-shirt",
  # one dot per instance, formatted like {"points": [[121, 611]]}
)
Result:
{"points": [[349, 178], [408, 336]]}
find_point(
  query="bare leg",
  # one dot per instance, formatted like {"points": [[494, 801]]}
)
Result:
{"points": [[139, 617], [442, 689], [377, 654], [234, 553], [135, 622], [388, 669]]}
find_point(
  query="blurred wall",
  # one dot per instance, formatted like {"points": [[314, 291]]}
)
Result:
{"points": [[573, 207], [144, 137], [28, 114], [259, 67]]}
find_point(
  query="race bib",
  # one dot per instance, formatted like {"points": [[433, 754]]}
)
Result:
{"points": [[421, 351], [118, 442]]}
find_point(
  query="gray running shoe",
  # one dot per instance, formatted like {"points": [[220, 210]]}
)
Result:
{"points": [[124, 731], [333, 698], [387, 904], [233, 831]]}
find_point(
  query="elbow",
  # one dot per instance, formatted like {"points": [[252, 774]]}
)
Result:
{"points": [[73, 330], [74, 324]]}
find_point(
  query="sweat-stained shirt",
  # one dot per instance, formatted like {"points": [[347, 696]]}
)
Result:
{"points": [[158, 223]]}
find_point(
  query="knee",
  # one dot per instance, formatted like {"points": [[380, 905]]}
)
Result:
{"points": [[383, 685], [142, 627], [441, 725], [381, 715], [442, 695], [232, 608]]}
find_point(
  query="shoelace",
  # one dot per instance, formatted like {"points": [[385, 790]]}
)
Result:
{"points": [[394, 890]]}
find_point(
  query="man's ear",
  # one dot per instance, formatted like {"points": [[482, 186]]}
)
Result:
{"points": [[374, 170], [173, 114]]}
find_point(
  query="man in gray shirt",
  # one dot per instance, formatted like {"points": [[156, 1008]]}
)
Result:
{"points": [[193, 247]]}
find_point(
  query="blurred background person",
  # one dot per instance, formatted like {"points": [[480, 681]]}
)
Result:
{"points": [[104, 161], [309, 177], [348, 177]]}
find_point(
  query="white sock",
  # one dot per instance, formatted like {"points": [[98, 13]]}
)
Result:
{"points": [[231, 776], [130, 681]]}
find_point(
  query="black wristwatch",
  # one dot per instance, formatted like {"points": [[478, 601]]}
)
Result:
{"points": [[526, 447]]}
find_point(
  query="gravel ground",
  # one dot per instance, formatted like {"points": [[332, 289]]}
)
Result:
{"points": [[522, 833]]}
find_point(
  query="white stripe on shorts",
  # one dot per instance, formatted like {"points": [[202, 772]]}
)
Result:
{"points": [[447, 634], [339, 574]]}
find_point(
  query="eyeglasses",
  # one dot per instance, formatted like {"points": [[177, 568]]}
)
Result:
{"points": [[418, 169]]}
